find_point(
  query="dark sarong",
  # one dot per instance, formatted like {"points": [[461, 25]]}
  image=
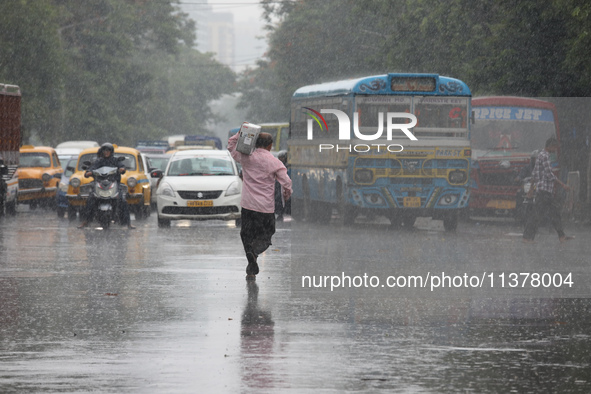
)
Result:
{"points": [[256, 231]]}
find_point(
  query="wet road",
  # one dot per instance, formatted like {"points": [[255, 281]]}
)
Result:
{"points": [[168, 310]]}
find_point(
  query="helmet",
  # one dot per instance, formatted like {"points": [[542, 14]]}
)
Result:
{"points": [[105, 147]]}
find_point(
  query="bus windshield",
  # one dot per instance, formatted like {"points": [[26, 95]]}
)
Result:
{"points": [[433, 113], [523, 136]]}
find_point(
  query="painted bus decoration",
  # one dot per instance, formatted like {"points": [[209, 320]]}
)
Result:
{"points": [[406, 153]]}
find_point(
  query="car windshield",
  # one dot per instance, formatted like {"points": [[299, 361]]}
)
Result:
{"points": [[129, 162], [201, 165], [34, 159], [159, 162], [69, 168]]}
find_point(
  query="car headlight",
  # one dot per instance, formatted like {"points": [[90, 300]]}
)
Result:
{"points": [[165, 190], [363, 176], [131, 182], [457, 177], [448, 199], [233, 189], [46, 177], [75, 182]]}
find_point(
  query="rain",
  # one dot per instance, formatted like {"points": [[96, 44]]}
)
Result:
{"points": [[396, 270]]}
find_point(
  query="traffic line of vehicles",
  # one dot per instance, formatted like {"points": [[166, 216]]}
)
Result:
{"points": [[463, 154]]}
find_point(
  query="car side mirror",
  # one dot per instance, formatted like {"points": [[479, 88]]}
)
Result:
{"points": [[156, 173]]}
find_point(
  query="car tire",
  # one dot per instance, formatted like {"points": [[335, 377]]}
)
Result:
{"points": [[165, 223], [61, 212], [450, 221], [72, 213], [11, 208]]}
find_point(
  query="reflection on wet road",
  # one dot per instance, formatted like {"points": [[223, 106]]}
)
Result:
{"points": [[155, 310]]}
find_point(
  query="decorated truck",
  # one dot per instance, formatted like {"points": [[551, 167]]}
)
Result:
{"points": [[10, 141]]}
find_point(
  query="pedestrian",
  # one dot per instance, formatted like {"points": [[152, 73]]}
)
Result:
{"points": [[543, 180], [260, 170]]}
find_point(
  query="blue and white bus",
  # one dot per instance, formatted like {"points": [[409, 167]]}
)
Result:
{"points": [[370, 163]]}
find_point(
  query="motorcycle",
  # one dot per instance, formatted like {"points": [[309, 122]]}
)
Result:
{"points": [[105, 188], [523, 203]]}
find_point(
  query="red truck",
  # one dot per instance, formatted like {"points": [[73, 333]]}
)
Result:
{"points": [[10, 142], [506, 133]]}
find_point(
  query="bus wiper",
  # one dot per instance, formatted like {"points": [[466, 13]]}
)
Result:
{"points": [[503, 148]]}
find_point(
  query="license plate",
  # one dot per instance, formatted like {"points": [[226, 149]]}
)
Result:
{"points": [[501, 204], [105, 207], [203, 203], [412, 202]]}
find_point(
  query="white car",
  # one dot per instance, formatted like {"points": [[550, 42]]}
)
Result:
{"points": [[199, 185]]}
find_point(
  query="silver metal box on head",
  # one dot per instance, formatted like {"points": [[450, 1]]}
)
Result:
{"points": [[248, 137]]}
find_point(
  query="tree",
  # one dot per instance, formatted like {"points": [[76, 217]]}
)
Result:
{"points": [[30, 57]]}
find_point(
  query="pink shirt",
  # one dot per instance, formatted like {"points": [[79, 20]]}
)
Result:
{"points": [[259, 171]]}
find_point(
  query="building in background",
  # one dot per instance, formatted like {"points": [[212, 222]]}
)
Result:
{"points": [[234, 42]]}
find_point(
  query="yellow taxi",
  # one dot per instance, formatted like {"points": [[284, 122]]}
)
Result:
{"points": [[39, 173], [135, 182]]}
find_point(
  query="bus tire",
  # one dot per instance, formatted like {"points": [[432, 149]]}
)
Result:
{"points": [[297, 208], [322, 212], [395, 220], [307, 202], [349, 215], [344, 211], [408, 221], [450, 221]]}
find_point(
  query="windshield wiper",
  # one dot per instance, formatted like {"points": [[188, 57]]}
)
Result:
{"points": [[503, 148]]}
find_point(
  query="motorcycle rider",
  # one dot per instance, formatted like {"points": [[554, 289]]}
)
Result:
{"points": [[105, 158]]}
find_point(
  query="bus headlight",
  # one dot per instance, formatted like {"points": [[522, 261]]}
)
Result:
{"points": [[363, 176], [75, 182], [457, 177], [448, 199]]}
